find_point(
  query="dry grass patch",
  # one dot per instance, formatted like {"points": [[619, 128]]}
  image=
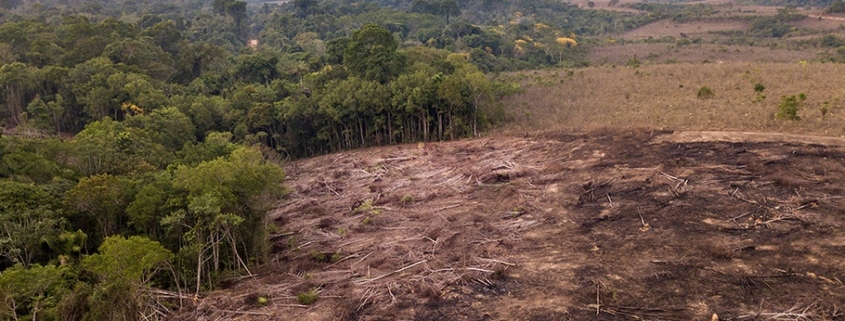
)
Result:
{"points": [[661, 53], [692, 29], [665, 96]]}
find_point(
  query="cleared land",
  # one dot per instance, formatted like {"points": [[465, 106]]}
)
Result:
{"points": [[665, 97], [607, 225]]}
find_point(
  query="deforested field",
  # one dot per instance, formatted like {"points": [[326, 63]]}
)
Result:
{"points": [[600, 225]]}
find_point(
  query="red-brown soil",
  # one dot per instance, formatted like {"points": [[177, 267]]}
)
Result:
{"points": [[606, 225]]}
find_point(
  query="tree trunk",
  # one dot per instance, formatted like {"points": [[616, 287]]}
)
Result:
{"points": [[424, 125], [12, 104], [389, 129], [440, 126], [199, 266], [361, 131]]}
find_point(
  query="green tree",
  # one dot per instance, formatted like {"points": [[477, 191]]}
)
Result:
{"points": [[837, 6], [216, 145], [167, 127], [166, 35], [155, 199], [258, 67], [30, 293], [44, 51], [481, 93], [28, 222], [372, 54], [108, 146], [39, 114], [789, 107], [16, 80], [448, 9], [89, 83], [148, 56], [125, 268], [226, 206], [99, 203]]}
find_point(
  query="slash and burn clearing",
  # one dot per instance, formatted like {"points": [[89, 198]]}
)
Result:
{"points": [[607, 225]]}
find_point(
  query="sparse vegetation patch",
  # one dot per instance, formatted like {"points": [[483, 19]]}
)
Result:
{"points": [[789, 106], [705, 92]]}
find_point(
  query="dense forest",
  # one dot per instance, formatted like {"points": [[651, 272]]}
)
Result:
{"points": [[140, 138]]}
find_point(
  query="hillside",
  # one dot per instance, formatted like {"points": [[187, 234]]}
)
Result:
{"points": [[605, 225]]}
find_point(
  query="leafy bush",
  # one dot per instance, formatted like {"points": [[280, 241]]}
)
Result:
{"points": [[789, 106], [308, 298], [759, 88], [705, 93]]}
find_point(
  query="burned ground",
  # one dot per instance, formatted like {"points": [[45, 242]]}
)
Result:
{"points": [[610, 225]]}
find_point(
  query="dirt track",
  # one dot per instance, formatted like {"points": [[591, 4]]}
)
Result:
{"points": [[600, 226]]}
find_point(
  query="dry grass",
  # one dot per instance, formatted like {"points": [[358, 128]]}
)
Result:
{"points": [[693, 29], [664, 96], [659, 53]]}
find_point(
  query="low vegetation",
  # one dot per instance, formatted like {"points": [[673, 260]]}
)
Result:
{"points": [[666, 96], [705, 92], [789, 106]]}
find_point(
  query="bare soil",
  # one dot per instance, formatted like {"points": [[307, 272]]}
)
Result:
{"points": [[605, 225]]}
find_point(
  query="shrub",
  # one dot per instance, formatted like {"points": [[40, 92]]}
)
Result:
{"points": [[759, 88], [634, 62], [407, 199], [788, 108], [705, 93], [308, 298]]}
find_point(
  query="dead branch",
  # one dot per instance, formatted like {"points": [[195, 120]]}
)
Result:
{"points": [[330, 188], [365, 298], [793, 314], [389, 274], [292, 305], [480, 270], [642, 220], [392, 297], [679, 182], [362, 259], [739, 217], [496, 261], [248, 312], [598, 298], [448, 207]]}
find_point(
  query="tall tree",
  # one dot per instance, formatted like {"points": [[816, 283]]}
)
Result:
{"points": [[372, 54], [30, 293], [226, 205], [16, 80], [125, 267], [101, 200], [28, 222]]}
